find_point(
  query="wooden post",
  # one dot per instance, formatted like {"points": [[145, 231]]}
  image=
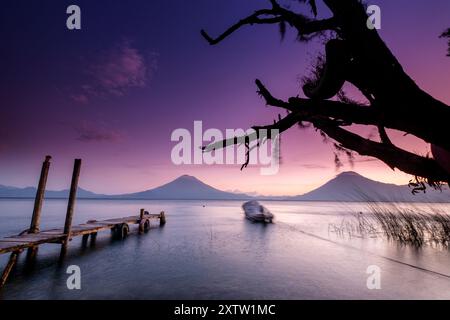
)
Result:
{"points": [[35, 220], [93, 238], [162, 218], [84, 240], [31, 258], [71, 204], [12, 261], [141, 220]]}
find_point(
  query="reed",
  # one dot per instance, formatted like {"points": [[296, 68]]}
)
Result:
{"points": [[408, 226]]}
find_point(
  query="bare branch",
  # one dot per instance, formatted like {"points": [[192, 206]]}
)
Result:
{"points": [[349, 113], [383, 135], [384, 114], [393, 156], [259, 133], [255, 18], [270, 99], [277, 14]]}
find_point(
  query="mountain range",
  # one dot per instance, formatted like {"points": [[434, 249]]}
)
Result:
{"points": [[347, 186]]}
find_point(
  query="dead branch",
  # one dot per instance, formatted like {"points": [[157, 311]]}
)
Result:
{"points": [[277, 14], [391, 155]]}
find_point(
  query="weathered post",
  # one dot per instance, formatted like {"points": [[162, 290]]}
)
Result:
{"points": [[84, 240], [71, 205], [35, 220], [12, 261], [31, 258], [93, 238], [141, 220], [162, 218]]}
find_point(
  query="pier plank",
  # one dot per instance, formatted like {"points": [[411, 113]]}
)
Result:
{"points": [[12, 246]]}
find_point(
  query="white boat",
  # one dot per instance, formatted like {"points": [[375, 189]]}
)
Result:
{"points": [[256, 212]]}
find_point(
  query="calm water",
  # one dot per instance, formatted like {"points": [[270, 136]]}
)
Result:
{"points": [[212, 252]]}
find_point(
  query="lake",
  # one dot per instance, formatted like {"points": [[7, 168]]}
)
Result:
{"points": [[207, 250]]}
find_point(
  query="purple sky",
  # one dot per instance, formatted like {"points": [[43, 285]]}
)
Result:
{"points": [[113, 92]]}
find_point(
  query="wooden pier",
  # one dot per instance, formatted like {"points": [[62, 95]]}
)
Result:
{"points": [[32, 238]]}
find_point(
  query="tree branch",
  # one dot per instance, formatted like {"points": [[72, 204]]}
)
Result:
{"points": [[347, 112], [277, 14], [255, 18], [393, 156], [385, 115], [281, 125], [383, 135]]}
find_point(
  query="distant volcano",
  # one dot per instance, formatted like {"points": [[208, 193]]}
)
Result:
{"points": [[351, 186], [186, 187]]}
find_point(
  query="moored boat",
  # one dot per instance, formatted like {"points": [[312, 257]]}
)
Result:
{"points": [[256, 212]]}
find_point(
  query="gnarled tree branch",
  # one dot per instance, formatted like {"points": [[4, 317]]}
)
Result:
{"points": [[359, 56], [393, 156], [277, 14]]}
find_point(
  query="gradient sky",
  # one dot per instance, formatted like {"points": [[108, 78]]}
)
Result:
{"points": [[113, 92]]}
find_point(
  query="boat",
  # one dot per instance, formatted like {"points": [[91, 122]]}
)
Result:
{"points": [[256, 212]]}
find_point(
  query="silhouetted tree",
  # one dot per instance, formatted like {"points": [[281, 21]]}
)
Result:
{"points": [[356, 54]]}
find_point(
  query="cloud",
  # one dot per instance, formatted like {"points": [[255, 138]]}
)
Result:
{"points": [[80, 98], [313, 166], [116, 71], [123, 68], [366, 160], [98, 132]]}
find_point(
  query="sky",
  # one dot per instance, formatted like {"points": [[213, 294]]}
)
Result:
{"points": [[113, 92]]}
